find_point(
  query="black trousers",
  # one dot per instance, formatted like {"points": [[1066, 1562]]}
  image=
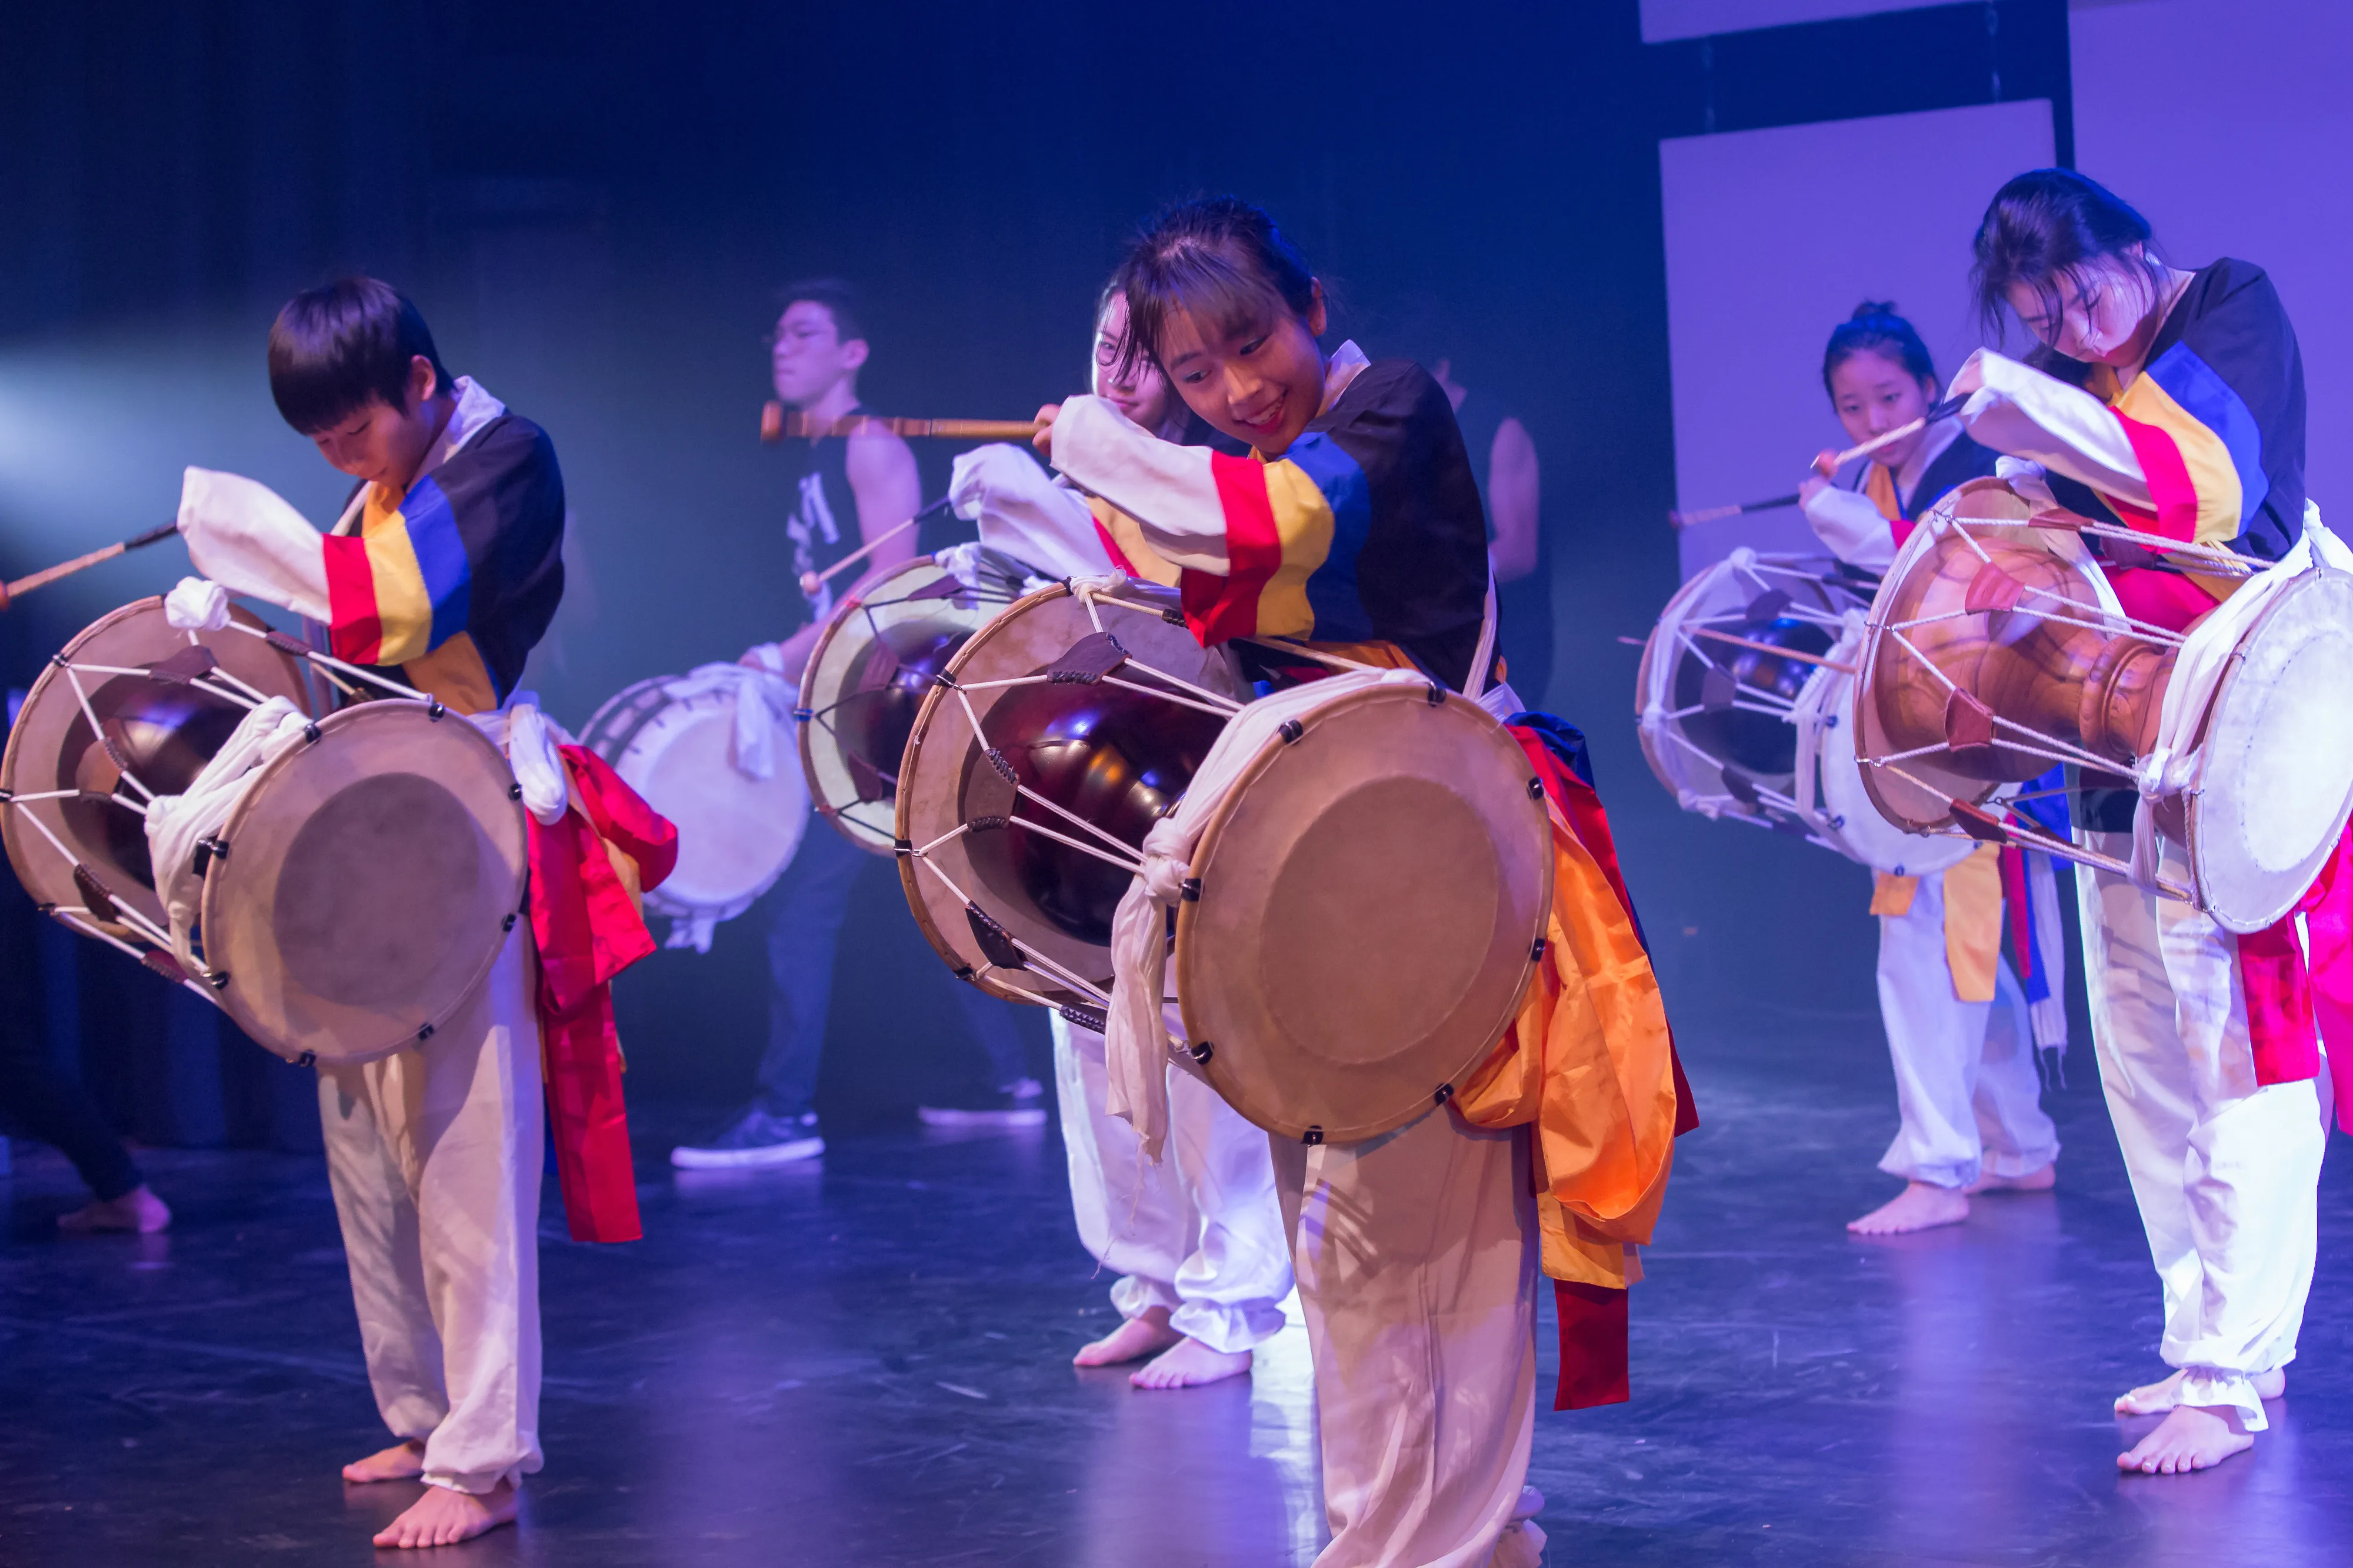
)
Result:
{"points": [[55, 1108]]}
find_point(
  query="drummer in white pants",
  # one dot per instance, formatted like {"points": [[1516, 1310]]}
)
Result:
{"points": [[444, 570], [1966, 1084], [1195, 1237], [1966, 1089]]}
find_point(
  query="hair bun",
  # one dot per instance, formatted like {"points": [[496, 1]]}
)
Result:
{"points": [[1871, 308]]}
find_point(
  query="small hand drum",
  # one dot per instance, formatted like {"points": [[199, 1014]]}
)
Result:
{"points": [[736, 834], [358, 889], [1997, 647], [1057, 734], [868, 677], [1737, 731]]}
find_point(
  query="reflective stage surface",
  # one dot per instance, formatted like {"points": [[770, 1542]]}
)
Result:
{"points": [[867, 1364]]}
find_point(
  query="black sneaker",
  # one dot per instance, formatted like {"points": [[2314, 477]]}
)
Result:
{"points": [[759, 1138], [1021, 1103]]}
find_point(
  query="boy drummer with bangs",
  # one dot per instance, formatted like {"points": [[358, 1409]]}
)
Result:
{"points": [[443, 571]]}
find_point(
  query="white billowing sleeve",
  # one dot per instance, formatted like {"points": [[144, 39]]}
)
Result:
{"points": [[1850, 523], [1023, 512], [2020, 411], [244, 536], [1170, 491]]}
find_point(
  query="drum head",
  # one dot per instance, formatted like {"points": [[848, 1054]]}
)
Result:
{"points": [[2274, 781], [164, 729], [736, 834], [1720, 721], [371, 879], [867, 678], [1370, 900], [1009, 905], [1848, 818]]}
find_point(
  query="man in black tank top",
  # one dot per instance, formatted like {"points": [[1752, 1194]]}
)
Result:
{"points": [[842, 494]]}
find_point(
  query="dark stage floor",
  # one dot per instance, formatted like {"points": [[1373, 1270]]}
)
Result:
{"points": [[865, 1364]]}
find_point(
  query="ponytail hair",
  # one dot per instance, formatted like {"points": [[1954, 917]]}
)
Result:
{"points": [[1219, 260], [2050, 225], [1876, 327]]}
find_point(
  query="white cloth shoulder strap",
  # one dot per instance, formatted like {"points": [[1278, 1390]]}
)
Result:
{"points": [[177, 823]]}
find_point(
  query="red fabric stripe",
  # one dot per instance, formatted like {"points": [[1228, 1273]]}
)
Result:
{"points": [[1593, 1350], [2169, 489], [354, 631], [588, 929], [2285, 1000], [1582, 806], [2021, 927], [1902, 528], [1218, 608], [2161, 598], [1110, 548]]}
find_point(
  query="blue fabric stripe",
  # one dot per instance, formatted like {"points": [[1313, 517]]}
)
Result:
{"points": [[441, 555], [2206, 397], [1332, 593]]}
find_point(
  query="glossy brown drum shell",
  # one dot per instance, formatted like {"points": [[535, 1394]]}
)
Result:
{"points": [[165, 731]]}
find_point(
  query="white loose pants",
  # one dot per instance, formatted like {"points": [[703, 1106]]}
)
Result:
{"points": [[435, 1154], [1966, 1088], [1416, 1252], [1199, 1233], [2225, 1172]]}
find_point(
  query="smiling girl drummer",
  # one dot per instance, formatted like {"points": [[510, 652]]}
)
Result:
{"points": [[1355, 521]]}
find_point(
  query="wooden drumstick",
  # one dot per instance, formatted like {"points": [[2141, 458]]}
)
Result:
{"points": [[812, 581], [1830, 463], [1681, 520], [68, 568], [775, 424], [1778, 652]]}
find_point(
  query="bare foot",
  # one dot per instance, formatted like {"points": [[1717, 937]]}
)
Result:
{"points": [[2041, 1180], [1188, 1364], [401, 1462], [1131, 1341], [137, 1210], [2157, 1398], [2193, 1438], [1919, 1206], [443, 1517]]}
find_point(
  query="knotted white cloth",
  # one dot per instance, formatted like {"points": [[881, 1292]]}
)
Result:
{"points": [[764, 701], [176, 823], [195, 604], [245, 536], [2171, 765], [1022, 512], [1137, 1050], [529, 739]]}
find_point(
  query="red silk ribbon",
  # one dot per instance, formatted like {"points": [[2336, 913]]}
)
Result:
{"points": [[588, 928]]}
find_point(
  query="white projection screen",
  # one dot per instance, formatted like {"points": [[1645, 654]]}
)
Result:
{"points": [[1772, 239], [2227, 123]]}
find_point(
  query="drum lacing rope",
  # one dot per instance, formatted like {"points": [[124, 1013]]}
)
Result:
{"points": [[2213, 559], [2069, 613], [2048, 747], [2027, 837], [1030, 955]]}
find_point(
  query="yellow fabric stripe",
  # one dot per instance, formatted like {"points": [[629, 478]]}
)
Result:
{"points": [[1128, 534], [1892, 894], [403, 607], [1973, 923], [2212, 473], [1303, 521]]}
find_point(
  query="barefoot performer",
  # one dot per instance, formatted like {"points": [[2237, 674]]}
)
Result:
{"points": [[444, 571], [1197, 1242], [2174, 403], [1961, 1030], [1356, 524]]}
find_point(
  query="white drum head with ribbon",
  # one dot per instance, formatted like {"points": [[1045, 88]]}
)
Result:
{"points": [[709, 750]]}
